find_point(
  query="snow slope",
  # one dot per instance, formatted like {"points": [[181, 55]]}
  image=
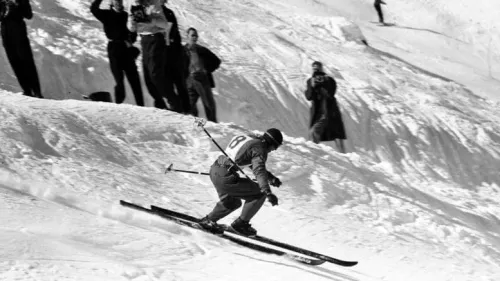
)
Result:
{"points": [[415, 199], [65, 164]]}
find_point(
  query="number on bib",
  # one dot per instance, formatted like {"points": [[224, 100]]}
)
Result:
{"points": [[236, 141], [235, 145]]}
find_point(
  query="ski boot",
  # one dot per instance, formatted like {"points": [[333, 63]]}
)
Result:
{"points": [[243, 227], [211, 226]]}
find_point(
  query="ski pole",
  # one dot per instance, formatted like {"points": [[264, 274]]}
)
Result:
{"points": [[201, 123], [169, 168]]}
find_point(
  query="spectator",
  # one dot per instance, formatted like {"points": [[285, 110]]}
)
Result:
{"points": [[121, 52], [201, 63], [326, 121], [378, 7], [148, 20], [17, 45], [175, 61]]}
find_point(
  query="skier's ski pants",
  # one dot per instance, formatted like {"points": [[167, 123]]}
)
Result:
{"points": [[231, 189]]}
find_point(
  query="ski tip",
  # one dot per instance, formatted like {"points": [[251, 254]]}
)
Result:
{"points": [[348, 263]]}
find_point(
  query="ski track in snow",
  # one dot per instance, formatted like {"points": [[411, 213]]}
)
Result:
{"points": [[415, 199]]}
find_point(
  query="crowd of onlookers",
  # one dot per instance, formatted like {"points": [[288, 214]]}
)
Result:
{"points": [[176, 75]]}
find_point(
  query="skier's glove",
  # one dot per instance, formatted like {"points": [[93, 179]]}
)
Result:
{"points": [[272, 198], [275, 182]]}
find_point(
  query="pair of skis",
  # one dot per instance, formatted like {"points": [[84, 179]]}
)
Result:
{"points": [[187, 220]]}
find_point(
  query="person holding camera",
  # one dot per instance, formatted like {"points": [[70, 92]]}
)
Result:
{"points": [[147, 18], [17, 44], [326, 121], [121, 53]]}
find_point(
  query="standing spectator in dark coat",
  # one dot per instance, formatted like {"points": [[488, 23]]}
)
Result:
{"points": [[326, 121], [378, 7], [148, 20], [120, 50], [176, 72], [201, 63], [17, 45]]}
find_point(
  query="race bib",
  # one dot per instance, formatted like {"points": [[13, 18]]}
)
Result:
{"points": [[235, 145]]}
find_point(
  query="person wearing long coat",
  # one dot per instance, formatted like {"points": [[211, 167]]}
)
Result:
{"points": [[325, 118]]}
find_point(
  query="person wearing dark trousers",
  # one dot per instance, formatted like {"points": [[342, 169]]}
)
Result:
{"points": [[121, 53], [378, 7], [201, 63], [17, 45], [148, 20], [176, 72]]}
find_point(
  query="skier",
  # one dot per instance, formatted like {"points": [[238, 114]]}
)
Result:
{"points": [[17, 45], [245, 151], [378, 7]]}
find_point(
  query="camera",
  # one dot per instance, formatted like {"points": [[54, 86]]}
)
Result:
{"points": [[139, 13], [7, 7], [318, 78]]}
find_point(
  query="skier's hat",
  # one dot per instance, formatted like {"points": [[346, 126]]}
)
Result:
{"points": [[274, 137]]}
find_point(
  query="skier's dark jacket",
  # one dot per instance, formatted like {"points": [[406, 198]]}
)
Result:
{"points": [[15, 11], [115, 23], [252, 153], [324, 104]]}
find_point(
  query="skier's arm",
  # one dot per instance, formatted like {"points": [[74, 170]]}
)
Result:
{"points": [[26, 10], [382, 2], [96, 11], [259, 170]]}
